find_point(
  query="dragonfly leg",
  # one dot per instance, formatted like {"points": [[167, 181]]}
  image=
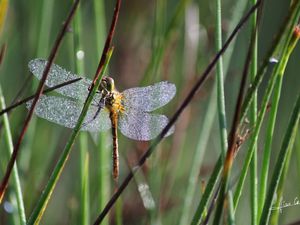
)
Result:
{"points": [[100, 105]]}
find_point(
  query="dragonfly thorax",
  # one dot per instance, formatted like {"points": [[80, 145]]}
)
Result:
{"points": [[111, 98], [114, 102]]}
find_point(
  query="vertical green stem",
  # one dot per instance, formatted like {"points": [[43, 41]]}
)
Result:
{"points": [[84, 169], [270, 130], [30, 157], [204, 135], [158, 35], [104, 156], [100, 22], [208, 191], [158, 52], [46, 21], [287, 143], [220, 82], [16, 181], [279, 71], [84, 180], [272, 119], [275, 214], [221, 95], [253, 118], [268, 144], [119, 212]]}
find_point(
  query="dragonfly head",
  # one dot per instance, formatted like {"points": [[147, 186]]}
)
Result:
{"points": [[107, 84]]}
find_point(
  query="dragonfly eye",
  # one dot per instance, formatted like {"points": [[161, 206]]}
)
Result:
{"points": [[107, 84]]}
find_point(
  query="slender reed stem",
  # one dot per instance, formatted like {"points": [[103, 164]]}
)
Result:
{"points": [[9, 146], [83, 156], [253, 113], [287, 143], [104, 156]]}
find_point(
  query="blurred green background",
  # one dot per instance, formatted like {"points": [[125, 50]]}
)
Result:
{"points": [[30, 30]]}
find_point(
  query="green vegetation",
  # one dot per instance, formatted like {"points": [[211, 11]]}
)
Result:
{"points": [[64, 176]]}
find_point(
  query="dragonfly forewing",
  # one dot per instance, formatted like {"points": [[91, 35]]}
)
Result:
{"points": [[149, 98], [142, 126], [66, 112], [57, 75]]}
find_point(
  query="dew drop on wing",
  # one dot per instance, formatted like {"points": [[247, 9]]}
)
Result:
{"points": [[58, 75], [142, 126], [149, 98], [66, 112]]}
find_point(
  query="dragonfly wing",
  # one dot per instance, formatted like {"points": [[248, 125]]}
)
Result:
{"points": [[142, 126], [58, 75], [66, 112], [149, 98]]}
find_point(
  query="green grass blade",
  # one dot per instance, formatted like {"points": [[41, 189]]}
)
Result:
{"points": [[84, 168], [100, 26], [30, 158], [270, 128], [104, 186], [268, 144], [278, 71], [221, 96], [84, 179], [282, 157], [16, 185], [253, 118], [231, 218], [281, 37], [224, 186], [158, 53], [45, 26], [119, 212], [157, 39], [204, 135], [104, 156], [217, 169], [275, 214], [208, 192], [196, 164], [220, 82]]}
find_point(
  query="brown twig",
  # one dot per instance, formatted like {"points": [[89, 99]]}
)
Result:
{"points": [[39, 91], [186, 101], [107, 42]]}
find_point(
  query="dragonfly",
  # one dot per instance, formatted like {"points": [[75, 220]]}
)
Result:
{"points": [[131, 111]]}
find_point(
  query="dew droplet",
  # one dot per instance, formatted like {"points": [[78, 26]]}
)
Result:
{"points": [[273, 60], [80, 55], [8, 207], [146, 196]]}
